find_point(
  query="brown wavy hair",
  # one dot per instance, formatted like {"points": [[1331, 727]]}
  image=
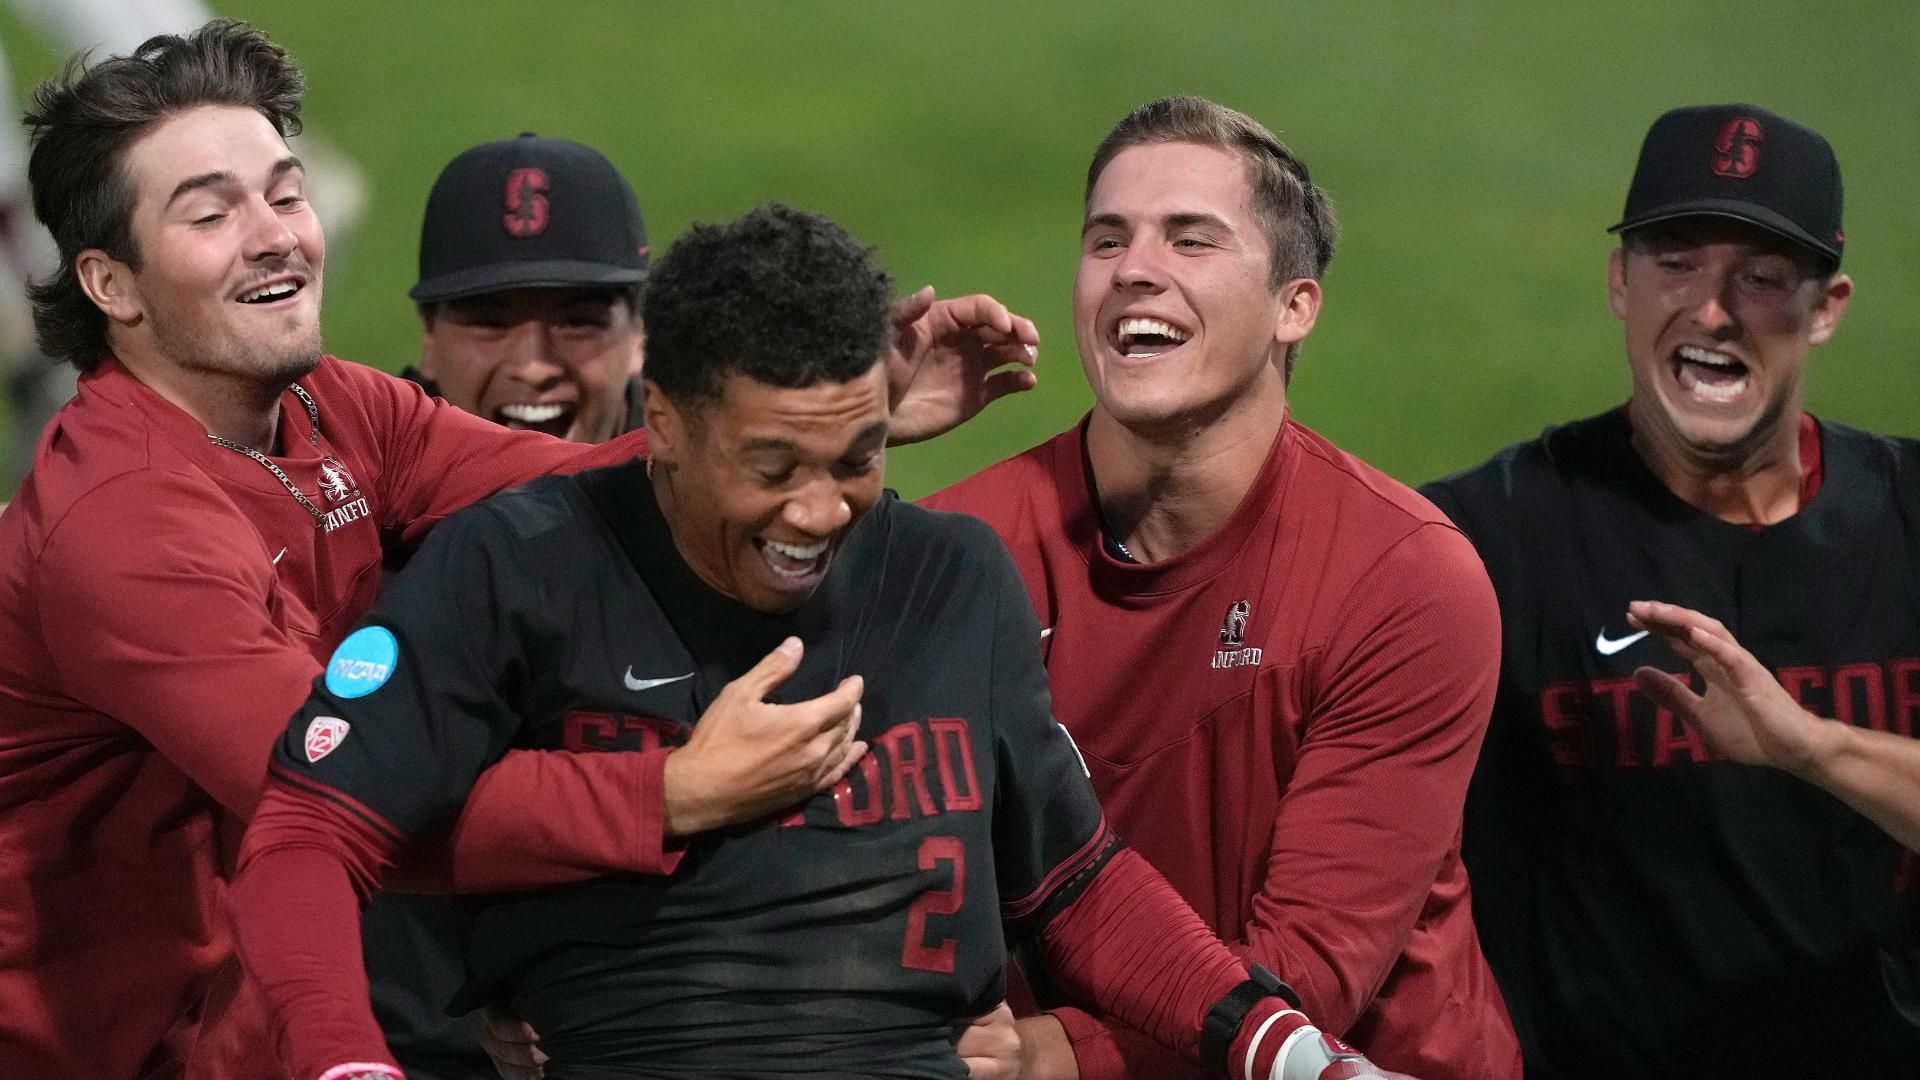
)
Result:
{"points": [[82, 122]]}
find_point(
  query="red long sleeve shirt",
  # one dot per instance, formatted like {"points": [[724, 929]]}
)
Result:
{"points": [[1282, 720], [165, 604]]}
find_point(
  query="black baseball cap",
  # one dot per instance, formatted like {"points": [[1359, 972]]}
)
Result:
{"points": [[529, 212], [1741, 162]]}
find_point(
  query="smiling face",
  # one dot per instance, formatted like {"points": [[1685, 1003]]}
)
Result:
{"points": [[551, 359], [230, 254], [1174, 312], [1719, 319], [761, 485]]}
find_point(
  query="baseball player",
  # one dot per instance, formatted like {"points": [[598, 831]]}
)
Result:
{"points": [[529, 317], [1650, 906], [532, 255], [533, 252], [1277, 662], [35, 384], [620, 610], [201, 527]]}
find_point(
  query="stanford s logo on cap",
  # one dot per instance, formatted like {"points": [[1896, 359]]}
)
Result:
{"points": [[526, 203], [324, 736], [1736, 148]]}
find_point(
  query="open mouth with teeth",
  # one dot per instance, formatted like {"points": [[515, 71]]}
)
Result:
{"points": [[1138, 338], [272, 292], [795, 565], [1709, 376], [555, 418]]}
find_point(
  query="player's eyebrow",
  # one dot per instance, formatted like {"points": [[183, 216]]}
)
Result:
{"points": [[1180, 220], [768, 445], [224, 178], [1189, 219], [875, 432], [872, 433]]}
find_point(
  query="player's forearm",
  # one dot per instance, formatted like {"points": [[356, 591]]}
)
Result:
{"points": [[537, 819], [442, 459], [1875, 772], [296, 911], [1131, 947], [1098, 1047]]}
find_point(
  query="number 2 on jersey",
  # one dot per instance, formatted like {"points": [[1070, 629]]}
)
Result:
{"points": [[916, 953]]}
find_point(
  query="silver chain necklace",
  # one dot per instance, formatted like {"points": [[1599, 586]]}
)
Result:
{"points": [[313, 437]]}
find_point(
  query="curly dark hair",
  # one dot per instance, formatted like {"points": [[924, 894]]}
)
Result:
{"points": [[82, 122], [780, 295]]}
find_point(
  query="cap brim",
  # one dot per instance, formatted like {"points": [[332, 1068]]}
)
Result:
{"points": [[556, 273], [1738, 211]]}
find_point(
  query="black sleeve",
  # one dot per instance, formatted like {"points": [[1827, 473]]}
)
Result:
{"points": [[1049, 835], [416, 701]]}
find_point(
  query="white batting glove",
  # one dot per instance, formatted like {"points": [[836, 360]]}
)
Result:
{"points": [[1307, 1053]]}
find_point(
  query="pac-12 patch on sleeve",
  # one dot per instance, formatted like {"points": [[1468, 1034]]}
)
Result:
{"points": [[363, 663], [324, 735]]}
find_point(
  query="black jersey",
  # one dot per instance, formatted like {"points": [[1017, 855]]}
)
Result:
{"points": [[1647, 910], [841, 938]]}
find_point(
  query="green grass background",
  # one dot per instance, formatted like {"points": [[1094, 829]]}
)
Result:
{"points": [[1475, 153]]}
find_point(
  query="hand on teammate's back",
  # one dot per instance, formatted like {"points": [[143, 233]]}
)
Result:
{"points": [[748, 757]]}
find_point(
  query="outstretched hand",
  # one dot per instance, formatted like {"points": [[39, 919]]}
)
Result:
{"points": [[953, 358], [1745, 715]]}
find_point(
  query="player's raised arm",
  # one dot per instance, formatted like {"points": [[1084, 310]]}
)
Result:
{"points": [[1748, 717]]}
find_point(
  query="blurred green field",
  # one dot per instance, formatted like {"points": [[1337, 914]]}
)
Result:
{"points": [[1475, 153]]}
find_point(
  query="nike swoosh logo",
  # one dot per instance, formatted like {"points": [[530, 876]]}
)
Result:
{"points": [[1047, 633], [276, 558], [648, 684], [1607, 646]]}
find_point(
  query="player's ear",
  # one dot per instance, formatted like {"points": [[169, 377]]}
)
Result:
{"points": [[429, 343], [1828, 309], [1296, 309], [108, 282], [666, 426], [1617, 281], [638, 360]]}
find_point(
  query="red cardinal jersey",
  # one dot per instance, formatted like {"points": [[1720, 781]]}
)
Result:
{"points": [[164, 606], [1283, 720]]}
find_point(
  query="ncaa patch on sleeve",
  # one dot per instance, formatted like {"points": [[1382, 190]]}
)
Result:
{"points": [[363, 663]]}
